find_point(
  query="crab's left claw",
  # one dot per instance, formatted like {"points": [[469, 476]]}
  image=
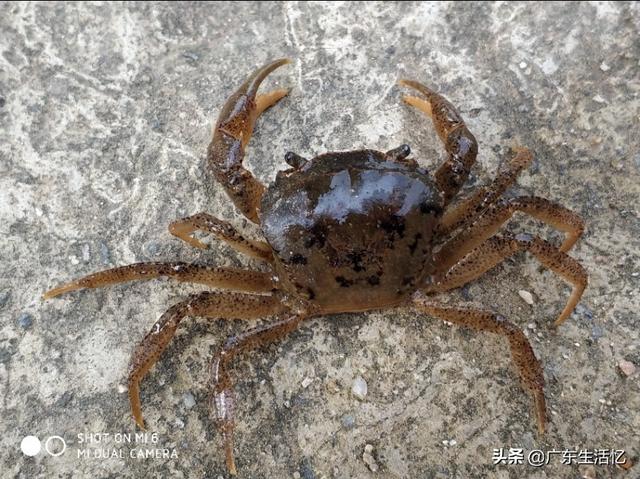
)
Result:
{"points": [[460, 144]]}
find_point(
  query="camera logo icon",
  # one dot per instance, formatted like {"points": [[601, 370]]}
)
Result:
{"points": [[54, 445]]}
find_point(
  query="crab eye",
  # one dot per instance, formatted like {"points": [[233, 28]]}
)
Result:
{"points": [[295, 160], [400, 153]]}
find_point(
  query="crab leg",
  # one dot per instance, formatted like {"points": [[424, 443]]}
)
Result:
{"points": [[207, 304], [228, 278], [231, 135], [205, 222], [469, 209], [498, 248], [459, 143], [223, 401], [488, 224], [522, 353]]}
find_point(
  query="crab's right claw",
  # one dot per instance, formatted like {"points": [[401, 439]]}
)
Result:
{"points": [[231, 135]]}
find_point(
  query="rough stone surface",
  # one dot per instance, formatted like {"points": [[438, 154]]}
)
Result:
{"points": [[105, 115]]}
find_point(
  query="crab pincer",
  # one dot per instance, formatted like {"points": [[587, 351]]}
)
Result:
{"points": [[232, 133]]}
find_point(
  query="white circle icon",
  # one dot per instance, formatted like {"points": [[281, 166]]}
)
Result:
{"points": [[63, 446], [30, 446]]}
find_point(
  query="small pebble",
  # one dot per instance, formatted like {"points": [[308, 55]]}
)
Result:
{"points": [[122, 388], [188, 400], [627, 367], [25, 320], [359, 388], [296, 475], [604, 67], [332, 386], [306, 382], [348, 421], [306, 469], [179, 423], [368, 458], [531, 325], [599, 99], [523, 65], [526, 295], [191, 56], [597, 332]]}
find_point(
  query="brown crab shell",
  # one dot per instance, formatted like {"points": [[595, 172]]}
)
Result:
{"points": [[352, 231]]}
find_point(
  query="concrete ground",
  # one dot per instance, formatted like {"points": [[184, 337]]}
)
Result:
{"points": [[105, 115]]}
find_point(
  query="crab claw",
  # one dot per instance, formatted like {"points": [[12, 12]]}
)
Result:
{"points": [[461, 145], [231, 135]]}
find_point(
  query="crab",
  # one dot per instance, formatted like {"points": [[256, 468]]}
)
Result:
{"points": [[349, 232]]}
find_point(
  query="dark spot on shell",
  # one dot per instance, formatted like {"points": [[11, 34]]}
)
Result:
{"points": [[373, 280], [343, 282], [393, 225], [356, 261], [311, 294], [317, 236], [407, 280], [414, 245], [298, 259], [427, 208]]}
